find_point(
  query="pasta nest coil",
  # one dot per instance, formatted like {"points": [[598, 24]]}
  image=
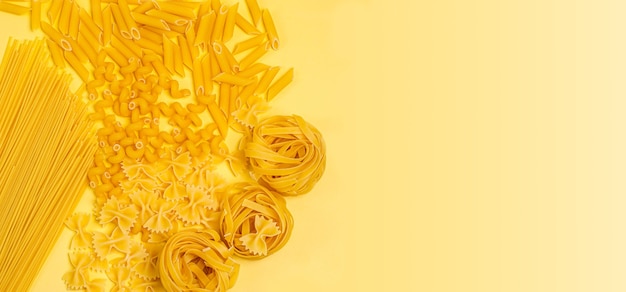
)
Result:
{"points": [[255, 221], [197, 261], [286, 154]]}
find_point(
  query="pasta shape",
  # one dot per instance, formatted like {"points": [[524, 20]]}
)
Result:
{"points": [[197, 260], [76, 278], [123, 216], [255, 221], [78, 223], [286, 154], [104, 244]]}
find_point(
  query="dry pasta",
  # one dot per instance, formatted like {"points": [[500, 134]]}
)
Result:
{"points": [[49, 130], [280, 84], [287, 154]]}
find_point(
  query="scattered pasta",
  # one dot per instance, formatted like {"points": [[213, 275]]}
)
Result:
{"points": [[167, 215]]}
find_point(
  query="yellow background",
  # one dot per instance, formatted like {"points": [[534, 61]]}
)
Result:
{"points": [[472, 146]]}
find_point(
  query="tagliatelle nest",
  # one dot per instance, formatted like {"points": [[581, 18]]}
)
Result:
{"points": [[197, 261], [286, 154], [255, 221]]}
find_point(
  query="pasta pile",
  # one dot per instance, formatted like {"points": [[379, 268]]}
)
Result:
{"points": [[287, 154], [45, 150], [171, 87]]}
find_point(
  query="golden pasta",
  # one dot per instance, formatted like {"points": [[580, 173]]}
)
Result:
{"points": [[280, 84], [286, 154], [270, 28], [53, 129], [35, 14]]}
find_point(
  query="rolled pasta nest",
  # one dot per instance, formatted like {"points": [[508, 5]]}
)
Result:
{"points": [[255, 221], [286, 154], [197, 261]]}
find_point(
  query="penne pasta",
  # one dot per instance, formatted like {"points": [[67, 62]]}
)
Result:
{"points": [[218, 27], [255, 11], [185, 52], [232, 62], [245, 26], [168, 17], [89, 51], [64, 17], [265, 81], [56, 52], [272, 35], [178, 8], [119, 21], [229, 23], [87, 23], [205, 28], [168, 33], [190, 38], [147, 44], [128, 19], [179, 67], [96, 13], [53, 11], [255, 69], [89, 38], [143, 7], [248, 90], [232, 79], [219, 118], [198, 79], [252, 57], [224, 99], [56, 36], [221, 58], [150, 21], [280, 84], [74, 21], [168, 54], [107, 25], [78, 67], [116, 56], [249, 43], [207, 73], [35, 14], [14, 8], [151, 35]]}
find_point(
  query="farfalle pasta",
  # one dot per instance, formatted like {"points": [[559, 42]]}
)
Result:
{"points": [[197, 261], [286, 154], [255, 221]]}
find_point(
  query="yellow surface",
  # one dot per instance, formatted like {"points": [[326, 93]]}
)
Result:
{"points": [[472, 146]]}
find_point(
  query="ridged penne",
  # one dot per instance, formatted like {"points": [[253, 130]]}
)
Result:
{"points": [[245, 26], [205, 28], [120, 22], [56, 36], [229, 23], [168, 17], [265, 81], [252, 57], [179, 9], [56, 52], [254, 69], [107, 25], [218, 27], [232, 79], [96, 13], [76, 64], [64, 17], [255, 11], [270, 28], [150, 21], [74, 21], [280, 84]]}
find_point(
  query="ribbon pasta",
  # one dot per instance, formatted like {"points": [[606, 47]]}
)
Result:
{"points": [[286, 154], [197, 261]]}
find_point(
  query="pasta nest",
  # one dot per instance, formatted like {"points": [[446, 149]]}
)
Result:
{"points": [[286, 154], [197, 260], [255, 221]]}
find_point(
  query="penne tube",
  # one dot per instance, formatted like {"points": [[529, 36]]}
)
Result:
{"points": [[232, 79], [143, 7], [168, 17], [245, 26], [224, 99], [252, 57], [254, 69], [56, 36], [168, 54], [54, 11], [116, 56], [107, 25], [179, 67], [220, 20], [221, 58], [74, 21], [89, 51], [219, 118], [249, 43], [147, 44], [14, 8], [205, 28], [56, 52], [272, 35], [96, 13], [280, 84], [64, 17], [87, 23], [168, 33], [177, 8], [190, 38], [78, 67], [248, 90], [35, 14], [150, 21], [185, 52], [89, 38], [119, 21], [151, 36], [128, 19], [215, 68], [255, 11], [265, 81], [198, 79], [207, 73], [229, 23], [78, 51]]}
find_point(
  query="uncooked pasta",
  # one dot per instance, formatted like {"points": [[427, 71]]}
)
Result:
{"points": [[286, 154]]}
